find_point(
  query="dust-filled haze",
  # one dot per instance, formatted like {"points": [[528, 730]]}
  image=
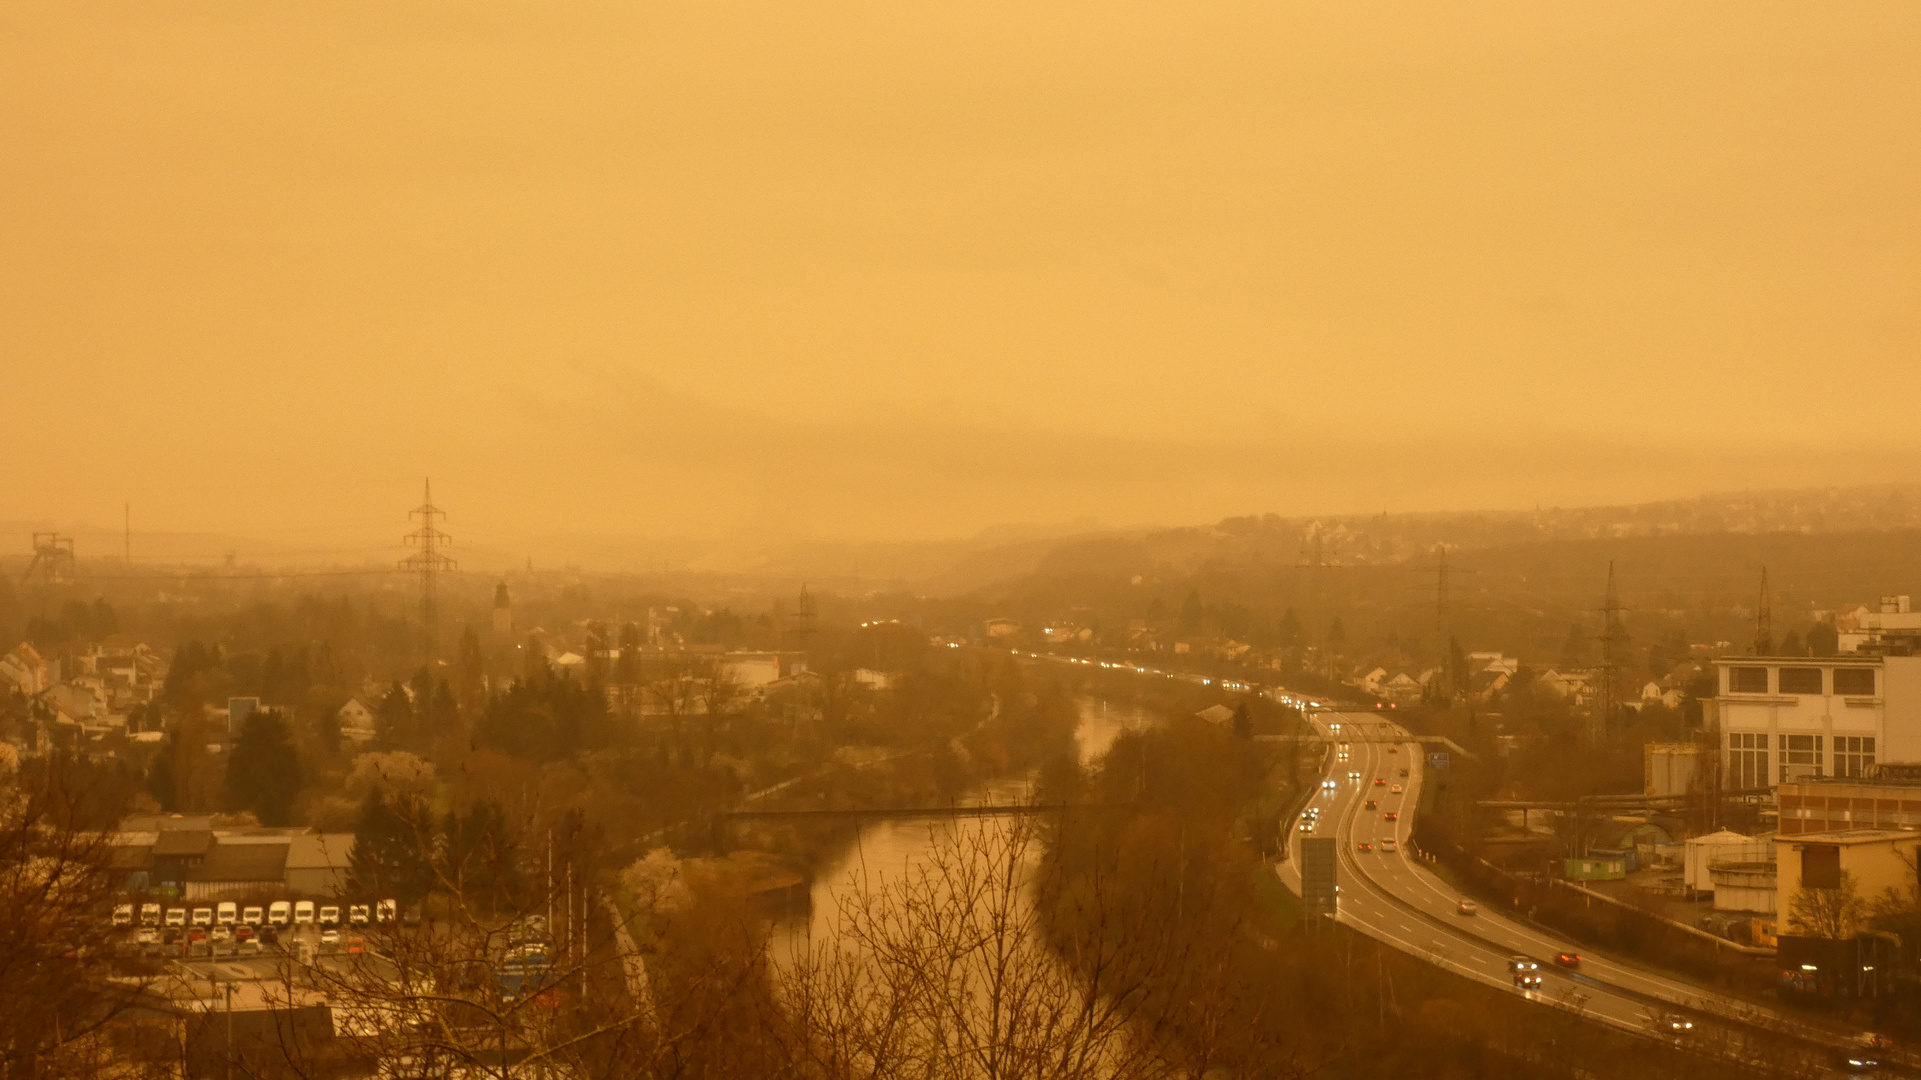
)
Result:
{"points": [[866, 269]]}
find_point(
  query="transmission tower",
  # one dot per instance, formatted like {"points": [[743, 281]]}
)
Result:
{"points": [[428, 561], [52, 559], [804, 619], [1613, 643], [1764, 620]]}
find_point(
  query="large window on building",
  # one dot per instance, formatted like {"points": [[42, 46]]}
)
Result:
{"points": [[1747, 761], [1800, 680], [1821, 866], [1858, 681], [1747, 680], [1800, 756], [1853, 755]]}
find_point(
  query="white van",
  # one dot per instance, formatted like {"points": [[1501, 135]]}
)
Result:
{"points": [[384, 910], [251, 915], [203, 916], [150, 914], [303, 913], [228, 913], [123, 914], [280, 913], [176, 916], [330, 915], [359, 914]]}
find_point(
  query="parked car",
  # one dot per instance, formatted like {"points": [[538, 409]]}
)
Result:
{"points": [[243, 932], [250, 947], [150, 914], [203, 916], [330, 939], [330, 915], [303, 913], [227, 913], [280, 913], [358, 914], [356, 944], [222, 933], [252, 915]]}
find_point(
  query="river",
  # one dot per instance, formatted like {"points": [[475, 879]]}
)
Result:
{"points": [[887, 846]]}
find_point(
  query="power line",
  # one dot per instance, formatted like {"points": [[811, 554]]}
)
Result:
{"points": [[428, 562]]}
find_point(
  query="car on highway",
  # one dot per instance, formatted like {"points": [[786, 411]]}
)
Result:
{"points": [[1353, 775], [1395, 790], [1370, 805], [1390, 816], [1329, 784], [1568, 959], [1364, 846], [1381, 781], [1388, 844], [1465, 907], [1517, 962], [1527, 980], [1403, 772], [1393, 749], [1307, 826]]}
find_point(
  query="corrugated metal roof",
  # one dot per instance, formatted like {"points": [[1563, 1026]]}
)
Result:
{"points": [[242, 862], [183, 842], [320, 851]]}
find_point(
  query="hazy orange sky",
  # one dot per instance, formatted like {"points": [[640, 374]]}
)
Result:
{"points": [[881, 269]]}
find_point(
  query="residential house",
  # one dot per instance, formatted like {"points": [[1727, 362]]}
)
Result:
{"points": [[23, 671], [356, 721]]}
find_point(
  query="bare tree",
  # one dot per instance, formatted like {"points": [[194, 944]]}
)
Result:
{"points": [[60, 982], [943, 971], [1835, 913]]}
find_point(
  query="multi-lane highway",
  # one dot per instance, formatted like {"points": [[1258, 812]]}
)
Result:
{"points": [[1390, 895]]}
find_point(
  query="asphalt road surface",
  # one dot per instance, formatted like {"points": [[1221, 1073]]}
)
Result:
{"points": [[1392, 897]]}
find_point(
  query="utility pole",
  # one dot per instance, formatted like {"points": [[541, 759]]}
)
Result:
{"points": [[1613, 640], [1764, 620], [428, 562]]}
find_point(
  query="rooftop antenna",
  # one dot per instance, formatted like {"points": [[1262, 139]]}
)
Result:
{"points": [[427, 561]]}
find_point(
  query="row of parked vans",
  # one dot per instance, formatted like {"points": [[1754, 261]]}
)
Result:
{"points": [[278, 913]]}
